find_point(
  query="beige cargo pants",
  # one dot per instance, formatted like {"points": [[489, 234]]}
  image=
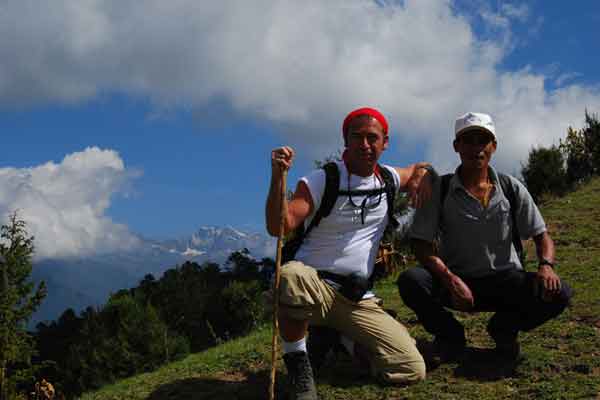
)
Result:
{"points": [[392, 353]]}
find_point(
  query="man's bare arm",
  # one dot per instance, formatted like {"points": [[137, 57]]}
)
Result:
{"points": [[461, 295], [412, 181], [544, 246], [298, 208], [426, 257]]}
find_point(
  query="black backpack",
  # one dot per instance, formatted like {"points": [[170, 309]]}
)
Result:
{"points": [[510, 194], [330, 195]]}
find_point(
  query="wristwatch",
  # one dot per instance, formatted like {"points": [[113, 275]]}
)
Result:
{"points": [[544, 261]]}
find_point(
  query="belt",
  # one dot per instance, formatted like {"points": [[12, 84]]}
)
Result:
{"points": [[330, 276], [341, 280]]}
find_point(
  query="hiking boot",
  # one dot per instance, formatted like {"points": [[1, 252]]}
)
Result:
{"points": [[507, 346], [301, 381], [508, 349], [447, 350]]}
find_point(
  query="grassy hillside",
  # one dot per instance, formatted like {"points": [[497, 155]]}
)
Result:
{"points": [[562, 358]]}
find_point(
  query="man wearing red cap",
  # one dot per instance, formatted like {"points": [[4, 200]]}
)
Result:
{"points": [[327, 282]]}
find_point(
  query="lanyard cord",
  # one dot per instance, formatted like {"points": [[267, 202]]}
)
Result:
{"points": [[363, 204]]}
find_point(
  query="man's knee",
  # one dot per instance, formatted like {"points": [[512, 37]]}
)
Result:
{"points": [[420, 371], [295, 279], [293, 288], [417, 370], [564, 296], [404, 370], [560, 300], [409, 279], [291, 270], [300, 291], [413, 282]]}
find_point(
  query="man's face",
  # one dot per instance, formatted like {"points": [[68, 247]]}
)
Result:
{"points": [[475, 148], [365, 141]]}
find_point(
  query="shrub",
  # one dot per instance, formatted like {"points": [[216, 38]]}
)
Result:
{"points": [[545, 172]]}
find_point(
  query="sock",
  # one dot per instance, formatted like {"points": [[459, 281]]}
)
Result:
{"points": [[289, 347]]}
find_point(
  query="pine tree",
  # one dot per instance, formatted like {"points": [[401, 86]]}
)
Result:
{"points": [[18, 299]]}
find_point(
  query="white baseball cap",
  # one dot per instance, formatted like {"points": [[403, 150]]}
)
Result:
{"points": [[474, 121]]}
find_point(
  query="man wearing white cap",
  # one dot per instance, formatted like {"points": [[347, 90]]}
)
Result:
{"points": [[477, 216]]}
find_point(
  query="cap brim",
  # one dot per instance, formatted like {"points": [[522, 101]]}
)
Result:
{"points": [[473, 129]]}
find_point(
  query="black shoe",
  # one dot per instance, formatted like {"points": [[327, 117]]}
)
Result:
{"points": [[447, 350], [301, 381], [508, 349]]}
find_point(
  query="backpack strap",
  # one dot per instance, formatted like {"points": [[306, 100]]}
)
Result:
{"points": [[509, 192], [444, 186], [390, 195], [330, 193]]}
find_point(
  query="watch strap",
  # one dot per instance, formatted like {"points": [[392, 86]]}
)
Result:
{"points": [[544, 261]]}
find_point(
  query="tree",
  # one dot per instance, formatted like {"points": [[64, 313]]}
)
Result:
{"points": [[579, 164], [581, 148], [18, 299], [242, 304], [242, 265], [139, 338], [191, 307], [591, 132], [545, 172]]}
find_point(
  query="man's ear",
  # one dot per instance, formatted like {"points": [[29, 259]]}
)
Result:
{"points": [[455, 145], [386, 142]]}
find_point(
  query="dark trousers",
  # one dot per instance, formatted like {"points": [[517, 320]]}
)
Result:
{"points": [[511, 294]]}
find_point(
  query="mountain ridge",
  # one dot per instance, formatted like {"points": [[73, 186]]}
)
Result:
{"points": [[79, 282]]}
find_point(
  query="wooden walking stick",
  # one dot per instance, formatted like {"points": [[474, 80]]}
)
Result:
{"points": [[276, 286]]}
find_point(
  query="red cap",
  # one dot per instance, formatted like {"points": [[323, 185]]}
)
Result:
{"points": [[365, 111]]}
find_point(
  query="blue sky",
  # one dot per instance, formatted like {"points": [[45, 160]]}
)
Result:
{"points": [[185, 172], [167, 112]]}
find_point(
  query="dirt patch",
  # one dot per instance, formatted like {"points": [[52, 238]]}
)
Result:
{"points": [[590, 320], [231, 376], [223, 385]]}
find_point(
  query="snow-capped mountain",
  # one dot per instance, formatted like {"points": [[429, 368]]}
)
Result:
{"points": [[217, 243], [80, 282]]}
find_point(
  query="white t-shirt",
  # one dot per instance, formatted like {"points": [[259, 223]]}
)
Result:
{"points": [[342, 243]]}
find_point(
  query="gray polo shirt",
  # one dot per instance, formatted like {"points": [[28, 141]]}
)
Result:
{"points": [[476, 241]]}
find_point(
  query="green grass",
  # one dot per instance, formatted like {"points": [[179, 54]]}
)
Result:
{"points": [[561, 358]]}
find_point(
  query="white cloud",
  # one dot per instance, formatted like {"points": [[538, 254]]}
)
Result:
{"points": [[497, 21], [561, 79], [519, 12], [64, 204], [299, 65]]}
